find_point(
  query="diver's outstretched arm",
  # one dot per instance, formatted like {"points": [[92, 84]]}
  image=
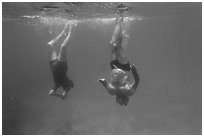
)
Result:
{"points": [[136, 80], [107, 86]]}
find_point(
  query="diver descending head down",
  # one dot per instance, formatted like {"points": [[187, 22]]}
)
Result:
{"points": [[58, 63], [119, 84]]}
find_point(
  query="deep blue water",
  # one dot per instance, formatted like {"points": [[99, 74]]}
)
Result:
{"points": [[166, 49]]}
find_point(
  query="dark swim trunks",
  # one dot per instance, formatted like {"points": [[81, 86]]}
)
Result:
{"points": [[59, 70], [125, 67]]}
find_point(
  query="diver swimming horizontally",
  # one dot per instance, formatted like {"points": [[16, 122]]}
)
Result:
{"points": [[58, 63], [119, 84]]}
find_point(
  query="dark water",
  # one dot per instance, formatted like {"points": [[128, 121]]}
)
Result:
{"points": [[166, 49]]}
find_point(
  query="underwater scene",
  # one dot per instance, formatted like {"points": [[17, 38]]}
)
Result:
{"points": [[162, 44]]}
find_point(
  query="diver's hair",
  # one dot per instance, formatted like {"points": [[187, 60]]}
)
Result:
{"points": [[122, 99]]}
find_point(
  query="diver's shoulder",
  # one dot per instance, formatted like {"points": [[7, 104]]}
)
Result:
{"points": [[125, 88]]}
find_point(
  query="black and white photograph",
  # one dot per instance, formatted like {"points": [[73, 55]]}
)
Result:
{"points": [[101, 68]]}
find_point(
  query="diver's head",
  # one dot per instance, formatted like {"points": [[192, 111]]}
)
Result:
{"points": [[118, 77], [122, 100]]}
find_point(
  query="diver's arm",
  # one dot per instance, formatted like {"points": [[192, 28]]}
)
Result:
{"points": [[107, 86], [136, 80]]}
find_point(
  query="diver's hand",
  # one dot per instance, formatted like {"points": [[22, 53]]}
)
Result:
{"points": [[102, 80]]}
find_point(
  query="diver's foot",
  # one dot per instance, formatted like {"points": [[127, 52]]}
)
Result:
{"points": [[52, 92]]}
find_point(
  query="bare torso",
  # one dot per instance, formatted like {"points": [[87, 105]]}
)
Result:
{"points": [[123, 90]]}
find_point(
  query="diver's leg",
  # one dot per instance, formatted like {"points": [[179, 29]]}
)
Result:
{"points": [[62, 56], [115, 40], [116, 34], [118, 44], [55, 40], [52, 54], [120, 50]]}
